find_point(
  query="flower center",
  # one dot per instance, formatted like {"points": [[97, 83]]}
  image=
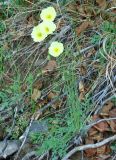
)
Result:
{"points": [[47, 29], [39, 35], [56, 50], [49, 16]]}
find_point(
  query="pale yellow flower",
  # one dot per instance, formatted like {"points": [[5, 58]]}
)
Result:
{"points": [[37, 34], [48, 14], [56, 49], [47, 27]]}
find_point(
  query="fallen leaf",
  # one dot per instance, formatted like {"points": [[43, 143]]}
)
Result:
{"points": [[107, 107], [82, 27], [60, 24], [82, 96], [102, 3], [27, 100], [95, 117], [23, 87], [50, 67], [83, 70], [92, 131], [81, 90], [98, 136], [38, 84], [81, 86], [86, 11], [91, 53], [112, 125], [51, 95], [101, 150], [92, 151], [103, 157], [42, 102], [112, 113], [102, 126], [36, 94], [57, 105], [108, 149]]}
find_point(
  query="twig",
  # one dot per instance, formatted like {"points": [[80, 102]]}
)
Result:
{"points": [[40, 111], [43, 156], [99, 121], [88, 146], [88, 48], [10, 132], [110, 8], [29, 155], [114, 157], [24, 138]]}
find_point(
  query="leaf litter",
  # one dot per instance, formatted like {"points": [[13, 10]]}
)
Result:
{"points": [[87, 18]]}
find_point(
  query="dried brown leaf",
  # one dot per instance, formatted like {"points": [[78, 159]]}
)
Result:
{"points": [[98, 136], [101, 150], [51, 95], [24, 87], [92, 151], [104, 157], [92, 132], [36, 94], [102, 3], [112, 113], [50, 67], [81, 86], [38, 84], [82, 96], [82, 27], [96, 117], [102, 126], [107, 107], [83, 70], [113, 126]]}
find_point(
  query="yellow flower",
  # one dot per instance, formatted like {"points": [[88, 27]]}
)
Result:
{"points": [[37, 34], [56, 49], [48, 14], [47, 27]]}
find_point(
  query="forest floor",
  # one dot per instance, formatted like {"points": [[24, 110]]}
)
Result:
{"points": [[65, 107]]}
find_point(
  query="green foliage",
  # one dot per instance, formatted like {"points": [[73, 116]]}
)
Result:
{"points": [[108, 36], [6, 12], [108, 27], [1, 61], [56, 139], [2, 27], [113, 146], [95, 39], [21, 124], [66, 125], [11, 95], [29, 81]]}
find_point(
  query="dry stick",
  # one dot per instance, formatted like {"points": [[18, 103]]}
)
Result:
{"points": [[42, 110], [88, 48], [43, 156], [32, 119], [89, 146], [99, 121], [10, 132], [114, 157]]}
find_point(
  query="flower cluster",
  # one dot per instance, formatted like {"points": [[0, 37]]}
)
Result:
{"points": [[45, 28]]}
